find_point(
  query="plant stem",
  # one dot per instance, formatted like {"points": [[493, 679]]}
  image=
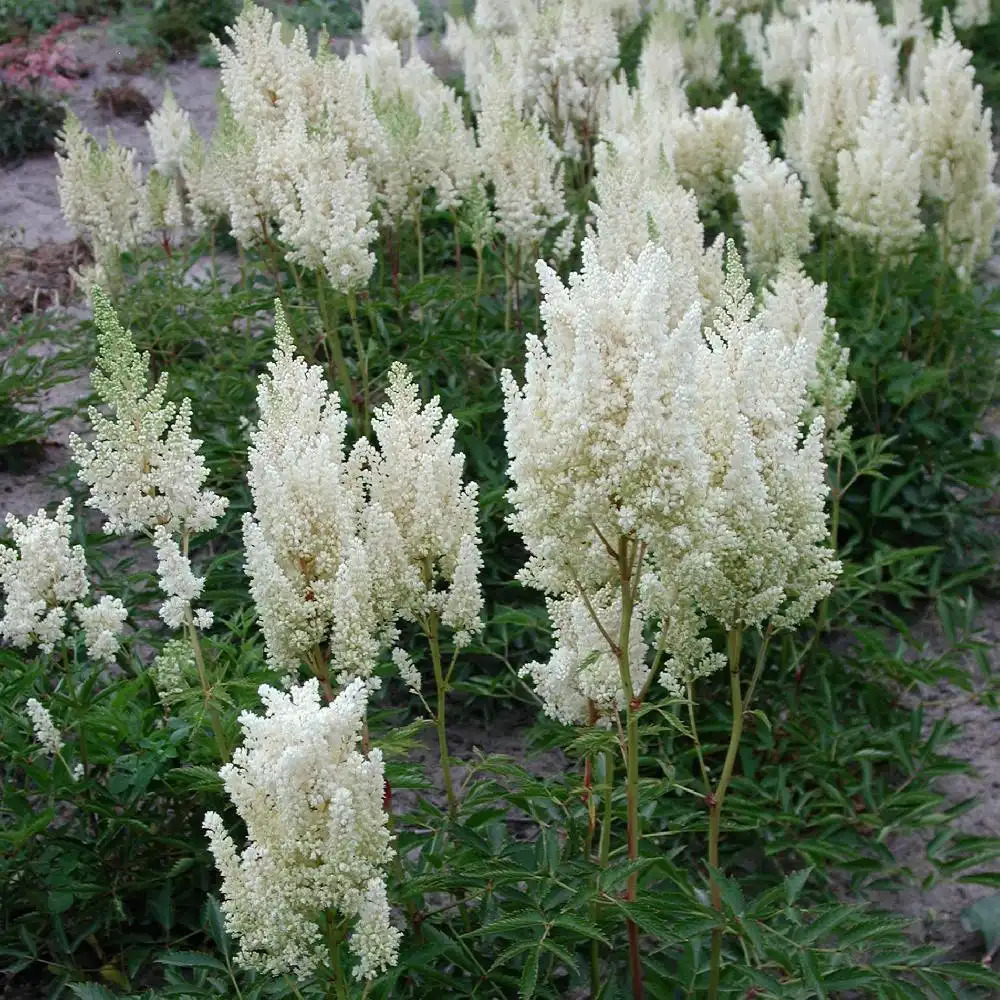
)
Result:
{"points": [[439, 717], [331, 335], [199, 659], [420, 242], [734, 646], [604, 854], [506, 299], [517, 290], [352, 308], [627, 551], [334, 935]]}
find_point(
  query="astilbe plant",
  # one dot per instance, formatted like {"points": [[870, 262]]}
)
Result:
{"points": [[678, 444]]}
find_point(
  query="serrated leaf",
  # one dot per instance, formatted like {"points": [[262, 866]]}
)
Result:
{"points": [[529, 976], [191, 959], [91, 991]]}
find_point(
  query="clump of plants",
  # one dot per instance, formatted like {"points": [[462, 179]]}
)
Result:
{"points": [[562, 398], [30, 74]]}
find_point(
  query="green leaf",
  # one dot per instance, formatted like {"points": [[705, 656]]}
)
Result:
{"points": [[60, 901], [191, 959], [91, 991], [529, 976]]}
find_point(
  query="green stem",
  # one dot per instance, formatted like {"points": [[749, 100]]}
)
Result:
{"points": [[439, 715], [627, 552], [199, 659], [506, 278], [334, 935], [331, 335], [734, 646], [604, 855], [352, 308], [420, 242]]}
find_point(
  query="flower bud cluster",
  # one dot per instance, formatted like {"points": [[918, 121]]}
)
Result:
{"points": [[46, 732]]}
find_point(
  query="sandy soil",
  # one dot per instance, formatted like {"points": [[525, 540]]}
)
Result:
{"points": [[29, 206]]}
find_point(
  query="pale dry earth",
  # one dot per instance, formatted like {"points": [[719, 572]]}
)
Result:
{"points": [[29, 207]]}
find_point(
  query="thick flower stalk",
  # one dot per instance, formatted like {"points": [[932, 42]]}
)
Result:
{"points": [[415, 477], [663, 476], [146, 475], [318, 842]]}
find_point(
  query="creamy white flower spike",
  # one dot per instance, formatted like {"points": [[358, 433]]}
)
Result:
{"points": [[523, 163], [640, 203], [633, 432], [102, 625], [170, 133], [397, 20], [317, 834], [774, 214], [102, 195], [426, 142], [143, 467], [601, 437], [850, 53], [415, 475], [40, 576], [878, 183], [47, 734], [766, 557], [320, 198], [956, 143], [307, 502], [710, 147]]}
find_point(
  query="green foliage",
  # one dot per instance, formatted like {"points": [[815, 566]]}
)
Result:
{"points": [[338, 18], [36, 355], [174, 28], [30, 120], [923, 356]]}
